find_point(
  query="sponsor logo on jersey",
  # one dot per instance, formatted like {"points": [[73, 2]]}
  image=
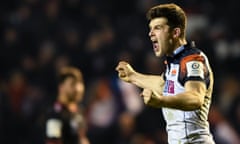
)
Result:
{"points": [[169, 87], [173, 72]]}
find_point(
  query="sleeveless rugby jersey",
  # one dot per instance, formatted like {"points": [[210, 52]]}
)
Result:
{"points": [[187, 127]]}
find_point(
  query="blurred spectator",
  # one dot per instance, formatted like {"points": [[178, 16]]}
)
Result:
{"points": [[228, 94], [222, 130], [102, 111]]}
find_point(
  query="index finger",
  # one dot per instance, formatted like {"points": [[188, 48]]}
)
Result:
{"points": [[120, 65]]}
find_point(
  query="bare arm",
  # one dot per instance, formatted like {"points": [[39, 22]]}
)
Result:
{"points": [[191, 99], [151, 82]]}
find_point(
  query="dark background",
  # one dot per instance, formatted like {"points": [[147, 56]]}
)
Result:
{"points": [[40, 36]]}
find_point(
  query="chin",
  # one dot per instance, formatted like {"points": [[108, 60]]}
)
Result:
{"points": [[158, 54]]}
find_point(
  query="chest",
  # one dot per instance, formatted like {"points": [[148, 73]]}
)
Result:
{"points": [[172, 85]]}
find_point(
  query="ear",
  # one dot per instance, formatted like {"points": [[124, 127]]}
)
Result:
{"points": [[60, 87], [176, 32]]}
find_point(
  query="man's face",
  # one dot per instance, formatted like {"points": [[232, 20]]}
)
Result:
{"points": [[69, 89], [160, 36], [80, 88]]}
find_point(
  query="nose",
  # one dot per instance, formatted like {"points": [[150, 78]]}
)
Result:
{"points": [[150, 33]]}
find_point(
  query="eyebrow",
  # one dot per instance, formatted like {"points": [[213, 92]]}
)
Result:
{"points": [[161, 25]]}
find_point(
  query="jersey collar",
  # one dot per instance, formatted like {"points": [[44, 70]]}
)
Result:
{"points": [[178, 50], [175, 53]]}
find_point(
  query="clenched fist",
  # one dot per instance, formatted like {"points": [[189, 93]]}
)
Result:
{"points": [[151, 99], [125, 71], [146, 94]]}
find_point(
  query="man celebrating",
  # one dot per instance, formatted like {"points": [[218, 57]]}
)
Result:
{"points": [[184, 90]]}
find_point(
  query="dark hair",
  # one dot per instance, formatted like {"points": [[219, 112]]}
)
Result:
{"points": [[175, 15], [67, 72], [61, 77]]}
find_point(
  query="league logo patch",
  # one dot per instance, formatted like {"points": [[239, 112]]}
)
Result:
{"points": [[195, 65], [195, 68]]}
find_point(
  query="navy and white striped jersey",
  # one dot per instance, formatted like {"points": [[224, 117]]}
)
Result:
{"points": [[184, 127]]}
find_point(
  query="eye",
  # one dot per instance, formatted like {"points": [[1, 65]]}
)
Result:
{"points": [[159, 27]]}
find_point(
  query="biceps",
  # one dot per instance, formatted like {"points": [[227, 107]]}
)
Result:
{"points": [[198, 88]]}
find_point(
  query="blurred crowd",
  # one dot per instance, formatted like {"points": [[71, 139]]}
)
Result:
{"points": [[38, 37]]}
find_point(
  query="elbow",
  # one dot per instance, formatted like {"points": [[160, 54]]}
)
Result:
{"points": [[193, 106], [196, 102], [199, 102]]}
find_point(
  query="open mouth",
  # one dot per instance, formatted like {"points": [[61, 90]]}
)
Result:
{"points": [[155, 45]]}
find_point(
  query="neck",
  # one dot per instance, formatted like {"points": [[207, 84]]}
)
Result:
{"points": [[177, 44], [71, 106], [62, 99]]}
